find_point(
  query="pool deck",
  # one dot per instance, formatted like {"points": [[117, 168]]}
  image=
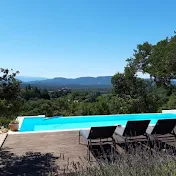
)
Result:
{"points": [[40, 153], [59, 147], [2, 138]]}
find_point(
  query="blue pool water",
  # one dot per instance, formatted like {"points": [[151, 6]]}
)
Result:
{"points": [[81, 122]]}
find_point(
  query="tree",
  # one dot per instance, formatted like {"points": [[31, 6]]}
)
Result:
{"points": [[128, 84], [9, 86], [156, 60], [10, 100], [45, 94]]}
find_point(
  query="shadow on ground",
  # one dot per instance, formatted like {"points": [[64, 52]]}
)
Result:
{"points": [[104, 152], [30, 164]]}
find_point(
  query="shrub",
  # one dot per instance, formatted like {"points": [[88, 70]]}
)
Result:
{"points": [[138, 163], [4, 121]]}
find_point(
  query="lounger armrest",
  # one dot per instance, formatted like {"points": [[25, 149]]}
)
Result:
{"points": [[85, 133], [119, 131]]}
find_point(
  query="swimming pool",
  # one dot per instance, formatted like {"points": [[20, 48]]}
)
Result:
{"points": [[39, 124]]}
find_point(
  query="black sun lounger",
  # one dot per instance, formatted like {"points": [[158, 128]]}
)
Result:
{"points": [[98, 135], [134, 131], [164, 126], [163, 131]]}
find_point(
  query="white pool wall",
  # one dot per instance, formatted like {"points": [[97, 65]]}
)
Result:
{"points": [[169, 111], [21, 118]]}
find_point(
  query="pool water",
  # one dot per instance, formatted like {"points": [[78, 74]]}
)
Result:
{"points": [[82, 122]]}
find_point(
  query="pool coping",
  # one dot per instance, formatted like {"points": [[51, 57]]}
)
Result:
{"points": [[54, 131]]}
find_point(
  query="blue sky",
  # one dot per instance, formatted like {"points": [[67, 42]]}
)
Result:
{"points": [[73, 38]]}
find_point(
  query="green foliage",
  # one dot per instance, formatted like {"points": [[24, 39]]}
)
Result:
{"points": [[4, 121], [138, 95], [10, 100], [9, 86], [14, 121], [34, 93], [171, 103], [156, 60]]}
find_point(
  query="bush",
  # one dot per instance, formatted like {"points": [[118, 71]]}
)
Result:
{"points": [[4, 121], [138, 163]]}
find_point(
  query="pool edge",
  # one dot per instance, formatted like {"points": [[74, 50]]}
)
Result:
{"points": [[54, 131]]}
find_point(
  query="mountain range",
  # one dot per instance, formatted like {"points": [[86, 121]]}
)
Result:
{"points": [[96, 82], [78, 83]]}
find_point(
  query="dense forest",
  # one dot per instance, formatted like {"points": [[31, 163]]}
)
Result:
{"points": [[129, 93]]}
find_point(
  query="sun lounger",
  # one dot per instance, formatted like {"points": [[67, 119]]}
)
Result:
{"points": [[134, 131], [163, 132], [98, 135]]}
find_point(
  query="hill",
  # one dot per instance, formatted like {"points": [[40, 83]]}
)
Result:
{"points": [[28, 78]]}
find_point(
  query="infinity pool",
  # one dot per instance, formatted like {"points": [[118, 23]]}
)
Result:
{"points": [[82, 122]]}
